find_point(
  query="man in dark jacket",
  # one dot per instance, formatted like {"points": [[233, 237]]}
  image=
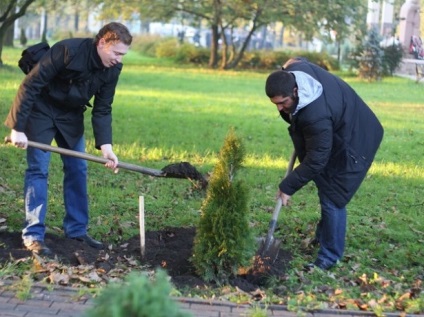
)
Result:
{"points": [[50, 104], [335, 136]]}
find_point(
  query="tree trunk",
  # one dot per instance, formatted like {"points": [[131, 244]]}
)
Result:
{"points": [[224, 49], [213, 58], [240, 54], [45, 24], [8, 19], [282, 36], [233, 48], [263, 37], [1, 46], [254, 27], [10, 33], [76, 20], [339, 55]]}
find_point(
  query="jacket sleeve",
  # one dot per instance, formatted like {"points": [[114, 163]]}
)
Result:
{"points": [[313, 155], [102, 107], [32, 85]]}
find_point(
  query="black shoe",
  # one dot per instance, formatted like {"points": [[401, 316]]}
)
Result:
{"points": [[89, 241], [318, 264], [39, 248]]}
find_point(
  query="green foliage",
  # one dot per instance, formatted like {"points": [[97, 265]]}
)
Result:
{"points": [[167, 47], [223, 240], [188, 53], [385, 233], [392, 57], [374, 61], [137, 296], [371, 57], [163, 47], [146, 44], [269, 60], [257, 311]]}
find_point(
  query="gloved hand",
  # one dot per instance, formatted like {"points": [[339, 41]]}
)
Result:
{"points": [[113, 159], [19, 139]]}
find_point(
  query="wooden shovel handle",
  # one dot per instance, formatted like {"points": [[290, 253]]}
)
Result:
{"points": [[93, 158]]}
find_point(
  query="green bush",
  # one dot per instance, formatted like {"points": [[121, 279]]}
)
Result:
{"points": [[167, 48], [392, 58], [59, 35], [322, 59], [188, 53], [224, 242], [275, 59], [371, 57], [137, 296], [146, 44]]}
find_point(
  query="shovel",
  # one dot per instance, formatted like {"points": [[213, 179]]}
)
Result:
{"points": [[177, 170], [270, 246]]}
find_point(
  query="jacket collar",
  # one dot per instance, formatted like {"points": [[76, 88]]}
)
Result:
{"points": [[86, 57]]}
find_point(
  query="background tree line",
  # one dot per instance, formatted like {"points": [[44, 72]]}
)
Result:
{"points": [[332, 21]]}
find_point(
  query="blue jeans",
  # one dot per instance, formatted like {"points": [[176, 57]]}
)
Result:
{"points": [[36, 192], [331, 232]]}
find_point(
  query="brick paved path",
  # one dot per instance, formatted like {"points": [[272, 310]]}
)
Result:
{"points": [[68, 302]]}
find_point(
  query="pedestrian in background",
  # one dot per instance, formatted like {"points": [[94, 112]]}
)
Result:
{"points": [[50, 104], [335, 136]]}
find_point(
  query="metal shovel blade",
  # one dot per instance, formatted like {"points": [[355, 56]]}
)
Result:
{"points": [[271, 246]]}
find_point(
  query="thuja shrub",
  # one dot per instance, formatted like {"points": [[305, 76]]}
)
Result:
{"points": [[371, 57], [224, 242], [392, 58], [137, 296]]}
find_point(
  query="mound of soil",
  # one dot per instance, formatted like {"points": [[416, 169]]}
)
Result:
{"points": [[170, 249]]}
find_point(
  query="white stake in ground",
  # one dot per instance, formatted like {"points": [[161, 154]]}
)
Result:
{"points": [[141, 221]]}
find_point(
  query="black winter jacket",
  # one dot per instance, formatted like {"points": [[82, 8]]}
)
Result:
{"points": [[54, 95], [335, 137]]}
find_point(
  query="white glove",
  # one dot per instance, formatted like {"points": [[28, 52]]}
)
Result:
{"points": [[19, 139], [113, 159]]}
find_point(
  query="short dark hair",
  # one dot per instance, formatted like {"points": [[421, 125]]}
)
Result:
{"points": [[280, 83], [114, 32]]}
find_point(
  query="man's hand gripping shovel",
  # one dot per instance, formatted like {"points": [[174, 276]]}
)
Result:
{"points": [[270, 246]]}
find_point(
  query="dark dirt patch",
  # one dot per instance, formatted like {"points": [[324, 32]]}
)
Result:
{"points": [[185, 170], [169, 249]]}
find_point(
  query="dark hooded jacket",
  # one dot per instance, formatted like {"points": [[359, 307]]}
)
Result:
{"points": [[336, 137], [55, 94]]}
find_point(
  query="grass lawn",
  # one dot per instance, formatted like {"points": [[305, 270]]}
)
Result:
{"points": [[165, 114]]}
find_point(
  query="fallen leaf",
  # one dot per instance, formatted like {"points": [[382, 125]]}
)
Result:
{"points": [[372, 303], [382, 299], [84, 279], [404, 296], [258, 294], [338, 291], [94, 277], [59, 279]]}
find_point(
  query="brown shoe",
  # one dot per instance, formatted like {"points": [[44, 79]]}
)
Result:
{"points": [[39, 248]]}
